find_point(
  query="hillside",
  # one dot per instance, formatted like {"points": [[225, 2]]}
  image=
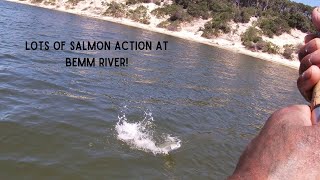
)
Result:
{"points": [[268, 29]]}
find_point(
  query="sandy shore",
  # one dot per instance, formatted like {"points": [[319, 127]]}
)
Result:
{"points": [[221, 42]]}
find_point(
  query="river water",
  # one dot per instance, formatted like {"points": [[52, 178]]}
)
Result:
{"points": [[184, 113]]}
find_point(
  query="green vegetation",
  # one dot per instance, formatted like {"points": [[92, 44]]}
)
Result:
{"points": [[288, 51], [243, 15], [116, 10], [252, 40], [180, 15], [176, 14], [219, 24], [170, 25], [300, 21], [167, 10], [50, 2], [36, 1], [273, 26], [199, 9], [140, 14], [267, 47], [131, 2], [276, 16], [251, 37], [74, 2], [158, 2]]}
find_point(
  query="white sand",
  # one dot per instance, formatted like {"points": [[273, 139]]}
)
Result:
{"points": [[189, 31]]}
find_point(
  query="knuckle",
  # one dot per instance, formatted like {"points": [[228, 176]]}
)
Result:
{"points": [[302, 89], [281, 114], [277, 115], [317, 43]]}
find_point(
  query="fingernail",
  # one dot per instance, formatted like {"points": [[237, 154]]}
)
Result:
{"points": [[306, 75]]}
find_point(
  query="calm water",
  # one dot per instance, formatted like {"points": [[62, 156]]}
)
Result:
{"points": [[61, 123]]}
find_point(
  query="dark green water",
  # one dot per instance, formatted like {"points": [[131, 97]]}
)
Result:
{"points": [[59, 122]]}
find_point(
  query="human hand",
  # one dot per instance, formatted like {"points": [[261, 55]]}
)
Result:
{"points": [[309, 56], [288, 147]]}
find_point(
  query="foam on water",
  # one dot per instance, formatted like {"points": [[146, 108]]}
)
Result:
{"points": [[141, 135]]}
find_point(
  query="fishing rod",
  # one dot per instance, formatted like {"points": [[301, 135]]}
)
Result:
{"points": [[315, 104]]}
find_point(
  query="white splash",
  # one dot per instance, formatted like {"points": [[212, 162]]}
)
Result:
{"points": [[140, 135]]}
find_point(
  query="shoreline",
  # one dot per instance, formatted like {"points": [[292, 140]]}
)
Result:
{"points": [[179, 34]]}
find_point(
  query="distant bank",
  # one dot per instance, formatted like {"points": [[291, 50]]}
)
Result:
{"points": [[189, 31]]}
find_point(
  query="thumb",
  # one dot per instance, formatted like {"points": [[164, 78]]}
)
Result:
{"points": [[316, 18], [299, 115]]}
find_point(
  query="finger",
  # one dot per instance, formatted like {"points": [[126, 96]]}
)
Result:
{"points": [[316, 18], [309, 37], [299, 115], [308, 48], [307, 81], [309, 60]]}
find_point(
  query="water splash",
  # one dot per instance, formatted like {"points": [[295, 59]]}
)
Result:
{"points": [[141, 135]]}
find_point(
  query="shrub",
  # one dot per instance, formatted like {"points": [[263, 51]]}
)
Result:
{"points": [[170, 25], [267, 47], [250, 45], [174, 26], [252, 40], [288, 51], [214, 29], [36, 1], [220, 6], [180, 15], [131, 2], [164, 24], [210, 33], [140, 14], [183, 3], [166, 10], [222, 16], [219, 24], [244, 14], [158, 3], [273, 26], [115, 10], [199, 9], [301, 22], [251, 35], [74, 2], [50, 2], [268, 13]]}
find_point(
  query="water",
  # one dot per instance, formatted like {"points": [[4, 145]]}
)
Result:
{"points": [[185, 113]]}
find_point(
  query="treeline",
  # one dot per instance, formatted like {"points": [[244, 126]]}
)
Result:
{"points": [[275, 16]]}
